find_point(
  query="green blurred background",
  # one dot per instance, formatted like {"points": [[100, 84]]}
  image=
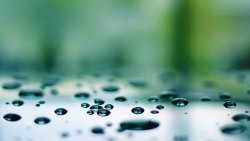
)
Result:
{"points": [[53, 35]]}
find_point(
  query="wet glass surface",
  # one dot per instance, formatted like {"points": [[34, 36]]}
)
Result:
{"points": [[122, 110]]}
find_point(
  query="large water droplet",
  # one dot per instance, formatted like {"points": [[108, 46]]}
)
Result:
{"points": [[60, 111], [82, 95], [31, 94], [97, 130], [42, 120], [109, 106], [241, 118], [120, 99], [233, 129], [137, 110], [103, 112], [12, 117], [110, 88], [138, 125], [17, 102], [180, 102], [85, 105], [229, 104], [11, 85], [99, 101]]}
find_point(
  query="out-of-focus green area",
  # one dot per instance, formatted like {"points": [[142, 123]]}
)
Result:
{"points": [[196, 35]]}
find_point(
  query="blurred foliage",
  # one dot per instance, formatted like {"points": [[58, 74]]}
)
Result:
{"points": [[183, 35]]}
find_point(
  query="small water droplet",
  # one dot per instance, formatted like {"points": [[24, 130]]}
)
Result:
{"points": [[121, 99], [99, 101], [38, 105], [205, 99], [11, 85], [41, 102], [138, 125], [82, 95], [229, 104], [97, 130], [17, 103], [241, 118], [31, 94], [60, 111], [138, 82], [12, 117], [103, 112], [42, 120], [159, 107], [85, 105], [233, 129], [154, 112], [137, 110], [90, 112], [181, 138], [54, 92], [64, 134], [180, 102], [110, 88], [95, 107], [153, 99], [109, 106]]}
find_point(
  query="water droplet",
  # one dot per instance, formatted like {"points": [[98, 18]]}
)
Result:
{"points": [[224, 96], [229, 104], [120, 99], [12, 117], [153, 99], [17, 103], [82, 95], [233, 129], [138, 125], [241, 118], [137, 110], [181, 138], [54, 92], [103, 112], [99, 101], [180, 102], [95, 107], [138, 82], [61, 111], [205, 99], [85, 105], [65, 134], [159, 107], [11, 85], [97, 130], [90, 112], [154, 112], [168, 95], [38, 105], [31, 94], [110, 88], [109, 106], [41, 102], [42, 120]]}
